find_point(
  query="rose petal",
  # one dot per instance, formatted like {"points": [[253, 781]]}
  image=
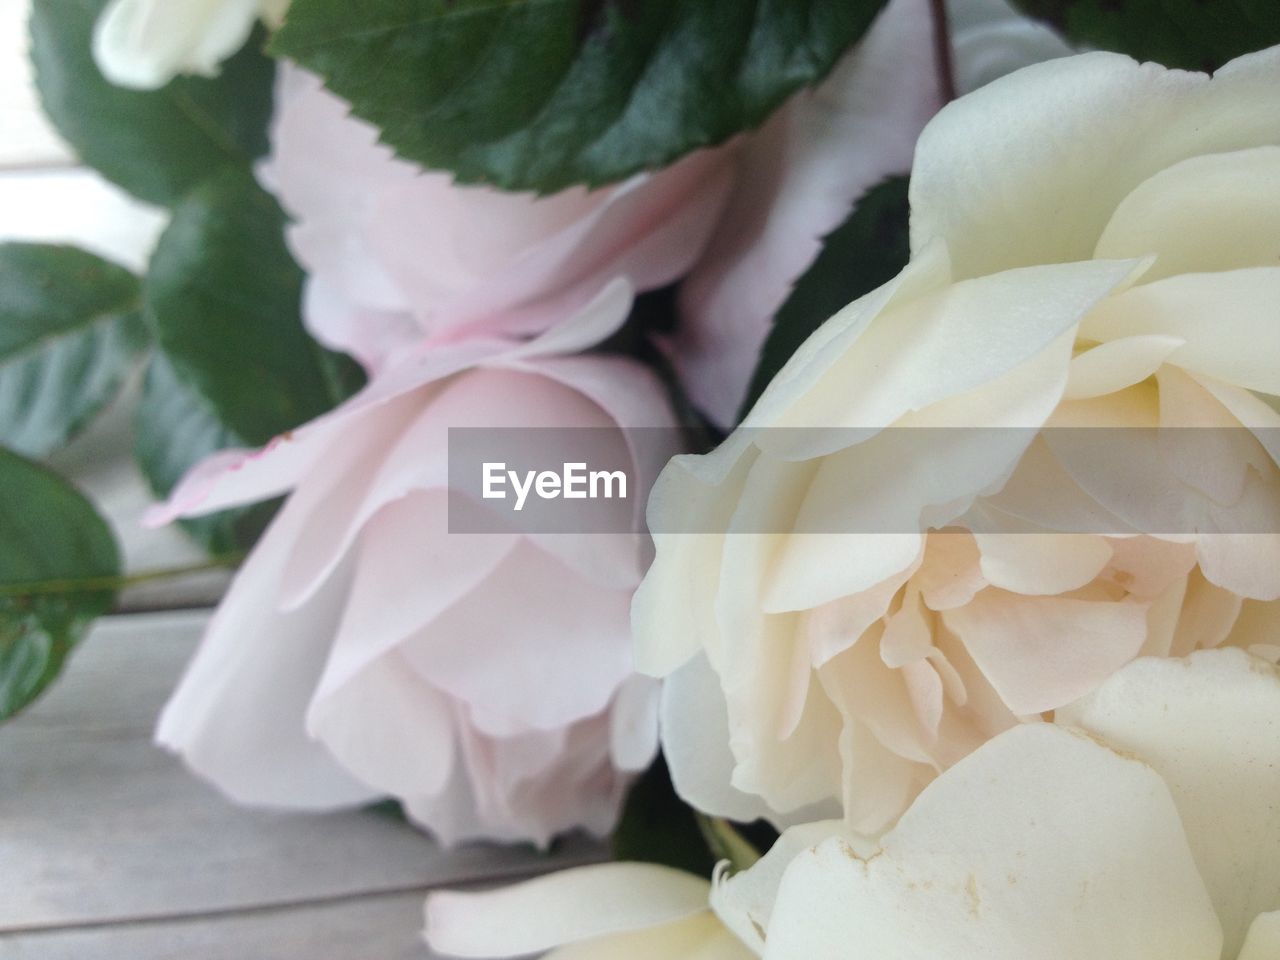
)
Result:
{"points": [[237, 714], [1000, 858], [1215, 212], [1043, 652], [561, 908], [1210, 726], [1095, 126]]}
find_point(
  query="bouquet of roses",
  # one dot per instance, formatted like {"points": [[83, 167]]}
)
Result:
{"points": [[831, 447]]}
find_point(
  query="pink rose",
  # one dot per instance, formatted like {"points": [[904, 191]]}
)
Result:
{"points": [[364, 650], [396, 254]]}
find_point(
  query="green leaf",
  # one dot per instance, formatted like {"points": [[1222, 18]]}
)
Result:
{"points": [[657, 827], [867, 250], [57, 557], [223, 297], [69, 335], [157, 144], [542, 94], [1191, 34], [175, 430]]}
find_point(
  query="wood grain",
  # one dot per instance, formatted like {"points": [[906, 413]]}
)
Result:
{"points": [[110, 843]]}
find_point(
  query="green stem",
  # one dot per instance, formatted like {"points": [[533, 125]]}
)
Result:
{"points": [[120, 582], [726, 843]]}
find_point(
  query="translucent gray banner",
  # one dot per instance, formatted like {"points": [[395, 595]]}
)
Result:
{"points": [[1172, 482]]}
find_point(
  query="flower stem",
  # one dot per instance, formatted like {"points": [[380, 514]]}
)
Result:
{"points": [[90, 584], [726, 843], [942, 53]]}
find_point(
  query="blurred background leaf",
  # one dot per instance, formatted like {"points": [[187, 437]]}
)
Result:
{"points": [[175, 430], [657, 827], [223, 299], [538, 96], [1191, 34], [70, 333], [56, 558], [864, 252], [156, 144], [235, 366]]}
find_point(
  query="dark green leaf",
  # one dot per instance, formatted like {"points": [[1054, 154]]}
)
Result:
{"points": [[541, 94], [657, 827], [69, 335], [865, 251], [175, 430], [156, 144], [1191, 34], [223, 297], [55, 555]]}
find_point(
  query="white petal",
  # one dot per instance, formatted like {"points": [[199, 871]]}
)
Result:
{"points": [[144, 43], [1006, 857], [1038, 564], [1216, 212], [1263, 941], [1210, 726], [1117, 364], [1226, 319], [1094, 126], [938, 346], [700, 937], [744, 902], [562, 908], [695, 742]]}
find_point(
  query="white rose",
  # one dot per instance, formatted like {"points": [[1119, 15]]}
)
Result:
{"points": [[146, 43], [1143, 827], [1095, 243]]}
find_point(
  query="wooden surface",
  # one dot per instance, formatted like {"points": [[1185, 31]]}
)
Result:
{"points": [[111, 850]]}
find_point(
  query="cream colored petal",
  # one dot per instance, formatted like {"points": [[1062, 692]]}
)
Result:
{"points": [[700, 937], [1227, 319], [744, 901], [145, 43], [1095, 127], [1041, 845], [1205, 445], [1243, 563], [1251, 411], [695, 742], [1207, 617], [945, 344], [1039, 564], [690, 508], [1210, 726], [561, 908], [1263, 941], [1117, 364], [951, 573], [1215, 212], [834, 627], [1042, 652]]}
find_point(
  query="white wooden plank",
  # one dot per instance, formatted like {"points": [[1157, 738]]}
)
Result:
{"points": [[99, 826], [75, 205], [26, 138], [383, 927]]}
